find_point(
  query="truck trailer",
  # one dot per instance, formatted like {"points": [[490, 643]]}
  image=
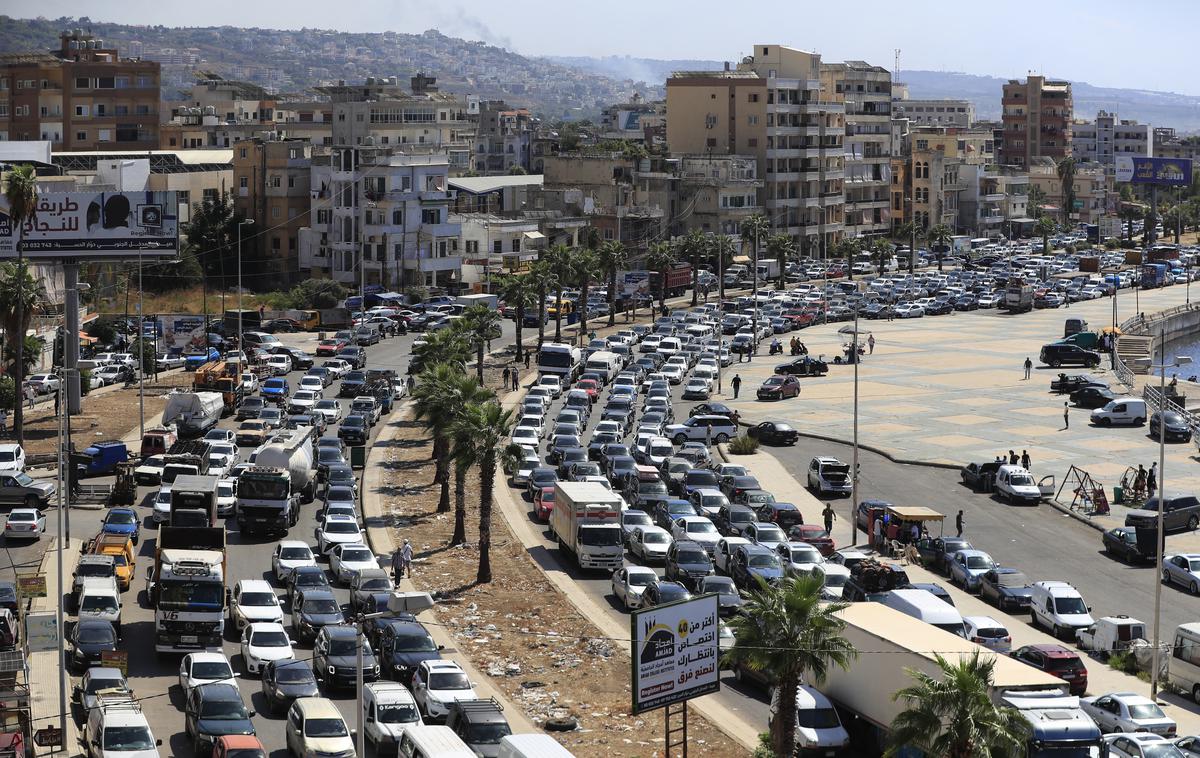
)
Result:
{"points": [[266, 503], [194, 501], [193, 413], [586, 521], [292, 454]]}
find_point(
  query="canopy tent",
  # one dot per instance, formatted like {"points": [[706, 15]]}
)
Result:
{"points": [[914, 513]]}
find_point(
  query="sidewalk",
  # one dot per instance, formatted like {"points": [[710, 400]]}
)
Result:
{"points": [[44, 667], [1101, 679]]}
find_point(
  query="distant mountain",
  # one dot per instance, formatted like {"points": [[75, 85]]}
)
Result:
{"points": [[294, 60], [1147, 106]]}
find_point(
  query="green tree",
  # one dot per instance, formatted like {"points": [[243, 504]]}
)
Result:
{"points": [[584, 263], [941, 237], [721, 248], [1149, 222], [144, 349], [485, 428], [466, 391], [480, 326], [447, 346], [1066, 169], [542, 277], [1037, 199], [1044, 227], [436, 405], [517, 293], [661, 257], [611, 257], [517, 170], [781, 247], [1129, 214], [846, 248], [29, 352], [19, 293], [693, 247], [790, 635], [908, 233], [756, 228], [881, 249], [168, 277], [316, 294], [560, 258], [953, 714]]}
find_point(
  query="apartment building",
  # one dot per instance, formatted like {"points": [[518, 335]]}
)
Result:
{"points": [[382, 215], [715, 193], [493, 245], [83, 96], [937, 185], [944, 112], [1037, 115], [621, 200], [866, 93], [502, 138], [1101, 140], [1093, 190], [271, 178], [994, 199], [633, 120]]}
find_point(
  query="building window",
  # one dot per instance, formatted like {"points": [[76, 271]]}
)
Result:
{"points": [[122, 110], [711, 142], [81, 111], [100, 109], [81, 136], [104, 135], [211, 195], [122, 82], [497, 246], [292, 244], [82, 82], [275, 244], [3, 109], [431, 216], [244, 182], [752, 142], [275, 212], [752, 120], [145, 82], [397, 217], [274, 181], [242, 153]]}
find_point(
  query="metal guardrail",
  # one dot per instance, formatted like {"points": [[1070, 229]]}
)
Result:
{"points": [[1153, 397]]}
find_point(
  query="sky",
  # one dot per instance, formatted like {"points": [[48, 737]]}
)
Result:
{"points": [[1114, 43]]}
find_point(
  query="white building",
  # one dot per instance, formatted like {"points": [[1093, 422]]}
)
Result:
{"points": [[1100, 141], [496, 245], [947, 112], [394, 208]]}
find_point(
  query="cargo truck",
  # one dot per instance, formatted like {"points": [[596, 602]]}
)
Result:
{"points": [[194, 501], [292, 454], [193, 413], [1018, 297], [586, 521], [266, 503], [186, 588], [679, 280], [1055, 724], [1154, 275], [185, 457]]}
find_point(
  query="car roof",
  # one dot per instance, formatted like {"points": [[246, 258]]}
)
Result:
{"points": [[338, 630], [318, 707], [981, 621], [1052, 650], [256, 585], [641, 570], [206, 657]]}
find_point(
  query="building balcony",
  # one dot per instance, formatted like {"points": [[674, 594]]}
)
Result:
{"points": [[863, 205], [993, 197], [784, 176], [422, 262]]}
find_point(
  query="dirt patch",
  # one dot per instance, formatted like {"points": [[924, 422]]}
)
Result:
{"points": [[536, 647]]}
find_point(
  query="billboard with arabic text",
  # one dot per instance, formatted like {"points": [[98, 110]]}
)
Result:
{"points": [[94, 225], [1170, 172], [675, 652]]}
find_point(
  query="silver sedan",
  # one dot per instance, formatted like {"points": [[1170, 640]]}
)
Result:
{"points": [[1183, 569]]}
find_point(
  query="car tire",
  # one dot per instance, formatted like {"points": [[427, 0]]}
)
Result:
{"points": [[1193, 522], [1055, 364], [722, 438], [1166, 577], [31, 501], [1106, 422]]}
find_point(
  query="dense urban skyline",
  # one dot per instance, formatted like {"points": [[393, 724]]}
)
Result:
{"points": [[1083, 46]]}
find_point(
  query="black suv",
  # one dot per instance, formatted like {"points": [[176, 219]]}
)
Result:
{"points": [[687, 562], [354, 383], [480, 724], [353, 431], [335, 657], [402, 645], [1058, 354], [214, 710], [732, 519]]}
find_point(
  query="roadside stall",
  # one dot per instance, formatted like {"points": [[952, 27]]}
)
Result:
{"points": [[902, 518]]}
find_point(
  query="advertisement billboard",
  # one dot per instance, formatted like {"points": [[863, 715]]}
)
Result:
{"points": [[675, 652], [1169, 172], [94, 225]]}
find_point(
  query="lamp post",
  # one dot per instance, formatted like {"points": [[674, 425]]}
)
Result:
{"points": [[141, 360], [1180, 360], [854, 462], [244, 222]]}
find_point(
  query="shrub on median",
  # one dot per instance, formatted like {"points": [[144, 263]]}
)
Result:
{"points": [[743, 445]]}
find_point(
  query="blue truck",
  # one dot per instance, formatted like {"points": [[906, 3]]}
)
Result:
{"points": [[1154, 275], [102, 458]]}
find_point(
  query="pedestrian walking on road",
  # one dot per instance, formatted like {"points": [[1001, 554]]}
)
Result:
{"points": [[526, 359], [1025, 460], [507, 373], [1152, 479], [397, 565], [871, 344], [1066, 416], [57, 400], [516, 379], [737, 385], [412, 382], [958, 523], [30, 395], [828, 515], [1028, 366], [1012, 458]]}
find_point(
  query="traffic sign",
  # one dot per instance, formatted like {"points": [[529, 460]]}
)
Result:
{"points": [[50, 736]]}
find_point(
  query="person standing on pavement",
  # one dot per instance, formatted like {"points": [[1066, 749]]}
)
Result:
{"points": [[737, 385], [1012, 458], [1028, 366], [871, 344], [958, 523], [829, 516], [1152, 479], [397, 565], [1066, 416], [516, 379], [526, 359], [507, 373], [877, 534], [1025, 460]]}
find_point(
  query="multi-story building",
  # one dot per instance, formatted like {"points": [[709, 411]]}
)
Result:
{"points": [[271, 187], [1093, 190], [633, 120], [716, 193], [936, 184], [1100, 141], [620, 200], [494, 245], [947, 112], [83, 96], [866, 92], [383, 216], [1037, 116], [994, 199], [502, 138]]}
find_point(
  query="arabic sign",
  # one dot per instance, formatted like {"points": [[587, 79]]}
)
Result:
{"points": [[94, 225], [50, 736], [118, 659], [41, 632], [31, 585], [675, 652], [1172, 172]]}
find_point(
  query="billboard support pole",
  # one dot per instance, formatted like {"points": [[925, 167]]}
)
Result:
{"points": [[1150, 235], [71, 335], [671, 711]]}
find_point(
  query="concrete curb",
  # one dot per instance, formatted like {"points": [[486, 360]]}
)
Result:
{"points": [[1080, 517], [871, 448]]}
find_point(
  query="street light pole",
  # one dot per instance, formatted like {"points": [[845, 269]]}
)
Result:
{"points": [[141, 359], [854, 461], [360, 737], [62, 535], [244, 222]]}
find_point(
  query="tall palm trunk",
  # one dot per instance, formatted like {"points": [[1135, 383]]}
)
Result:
{"points": [[784, 735], [541, 316], [481, 343], [612, 295], [19, 366], [583, 308], [558, 309], [441, 453], [520, 325], [460, 504], [487, 477]]}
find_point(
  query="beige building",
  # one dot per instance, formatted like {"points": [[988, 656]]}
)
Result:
{"points": [[621, 200], [866, 93], [1094, 191], [936, 184], [716, 193], [271, 187], [1037, 115]]}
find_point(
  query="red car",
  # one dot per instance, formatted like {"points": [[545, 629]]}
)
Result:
{"points": [[779, 387], [1058, 661], [815, 535], [543, 503], [330, 348], [591, 386]]}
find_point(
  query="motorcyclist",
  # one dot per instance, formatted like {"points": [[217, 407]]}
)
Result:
{"points": [[776, 346]]}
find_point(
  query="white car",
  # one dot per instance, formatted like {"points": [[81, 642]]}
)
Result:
{"points": [[987, 631], [249, 382], [337, 530], [336, 366], [438, 683], [263, 642], [534, 422], [834, 577], [280, 365], [253, 601], [649, 543], [698, 529], [723, 555], [313, 383], [162, 505], [330, 409], [629, 582], [303, 401], [44, 384], [150, 470], [290, 555], [389, 709], [989, 300], [673, 372], [1127, 712], [799, 558], [346, 560], [226, 497], [1137, 745], [24, 524], [221, 435], [769, 536], [847, 556], [697, 389], [527, 461], [218, 464], [204, 668], [552, 383], [12, 459], [908, 310], [525, 437]]}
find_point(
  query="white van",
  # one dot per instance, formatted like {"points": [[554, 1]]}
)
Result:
{"points": [[605, 363], [532, 746], [1016, 485], [388, 710], [924, 605], [1059, 607], [1183, 668], [1122, 411], [432, 742], [819, 731]]}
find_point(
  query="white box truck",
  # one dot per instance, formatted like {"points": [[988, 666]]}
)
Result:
{"points": [[586, 521], [193, 413], [892, 643]]}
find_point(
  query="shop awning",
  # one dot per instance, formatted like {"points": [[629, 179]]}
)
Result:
{"points": [[743, 259], [915, 513], [535, 236]]}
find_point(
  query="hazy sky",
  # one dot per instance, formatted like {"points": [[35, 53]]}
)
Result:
{"points": [[1118, 43]]}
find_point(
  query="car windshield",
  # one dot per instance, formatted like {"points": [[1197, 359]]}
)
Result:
{"points": [[398, 713], [835, 580], [375, 583], [325, 728], [23, 479], [635, 518], [449, 681], [763, 561], [805, 555], [817, 718], [979, 562], [1145, 711], [270, 639], [720, 584], [114, 517], [600, 537], [1069, 605], [487, 734], [414, 643], [211, 670], [128, 738], [700, 527], [179, 594], [94, 569], [640, 579], [321, 605], [294, 674], [655, 538], [692, 557], [98, 604], [1021, 480], [770, 534], [95, 634], [258, 599], [341, 527], [346, 646], [357, 556], [339, 495]]}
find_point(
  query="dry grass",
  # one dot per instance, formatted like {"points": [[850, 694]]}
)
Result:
{"points": [[180, 301]]}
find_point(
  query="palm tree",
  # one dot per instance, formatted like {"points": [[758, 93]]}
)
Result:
{"points": [[21, 289], [721, 248], [781, 247], [446, 346], [542, 277], [481, 325], [907, 233], [1044, 227], [692, 247], [756, 228], [435, 403], [881, 249], [559, 257], [848, 247], [1129, 214], [484, 428], [465, 392], [611, 257], [953, 714], [790, 635], [584, 266], [1066, 174], [940, 236], [517, 292], [1037, 198], [661, 257]]}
